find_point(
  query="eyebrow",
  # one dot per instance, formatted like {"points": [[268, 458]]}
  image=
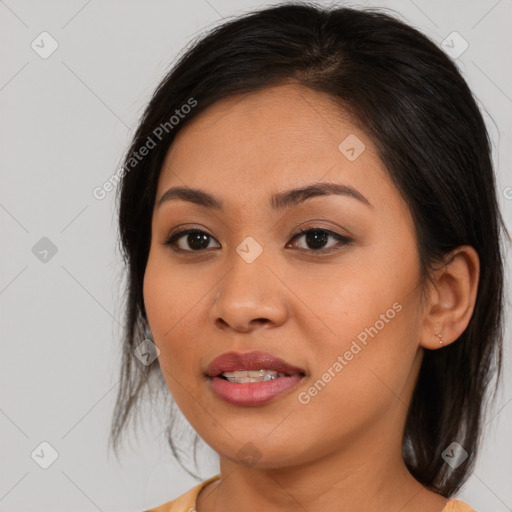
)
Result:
{"points": [[278, 201]]}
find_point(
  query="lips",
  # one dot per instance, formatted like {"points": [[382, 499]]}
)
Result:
{"points": [[233, 361], [252, 394]]}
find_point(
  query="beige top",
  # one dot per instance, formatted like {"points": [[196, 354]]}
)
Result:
{"points": [[187, 501]]}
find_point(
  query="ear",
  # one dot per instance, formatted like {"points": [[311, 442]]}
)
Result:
{"points": [[451, 298]]}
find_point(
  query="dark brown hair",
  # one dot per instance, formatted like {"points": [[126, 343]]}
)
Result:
{"points": [[411, 100]]}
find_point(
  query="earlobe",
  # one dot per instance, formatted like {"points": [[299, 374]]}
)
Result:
{"points": [[452, 298]]}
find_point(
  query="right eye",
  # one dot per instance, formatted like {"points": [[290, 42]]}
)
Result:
{"points": [[195, 238]]}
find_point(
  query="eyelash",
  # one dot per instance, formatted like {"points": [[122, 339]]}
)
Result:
{"points": [[171, 241]]}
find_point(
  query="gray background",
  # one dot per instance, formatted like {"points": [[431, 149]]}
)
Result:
{"points": [[66, 122]]}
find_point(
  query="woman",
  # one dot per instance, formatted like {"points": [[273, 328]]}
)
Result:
{"points": [[312, 241]]}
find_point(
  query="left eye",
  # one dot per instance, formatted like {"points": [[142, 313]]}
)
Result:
{"points": [[318, 236], [198, 239]]}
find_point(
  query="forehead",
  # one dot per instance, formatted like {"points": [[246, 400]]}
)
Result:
{"points": [[276, 138]]}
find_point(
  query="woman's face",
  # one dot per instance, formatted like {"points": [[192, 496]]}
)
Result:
{"points": [[342, 303]]}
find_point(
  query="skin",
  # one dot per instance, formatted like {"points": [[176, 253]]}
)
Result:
{"points": [[341, 451]]}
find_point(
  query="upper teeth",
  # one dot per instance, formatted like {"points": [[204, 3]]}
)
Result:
{"points": [[243, 376]]}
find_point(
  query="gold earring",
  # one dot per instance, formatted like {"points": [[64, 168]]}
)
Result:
{"points": [[440, 338]]}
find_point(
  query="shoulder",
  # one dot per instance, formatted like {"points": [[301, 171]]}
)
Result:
{"points": [[457, 506], [186, 502]]}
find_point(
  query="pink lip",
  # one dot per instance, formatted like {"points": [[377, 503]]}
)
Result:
{"points": [[251, 393]]}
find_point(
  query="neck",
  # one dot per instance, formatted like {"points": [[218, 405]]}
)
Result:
{"points": [[361, 476]]}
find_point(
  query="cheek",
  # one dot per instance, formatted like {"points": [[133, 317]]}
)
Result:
{"points": [[168, 301], [364, 290], [365, 331], [175, 306], [362, 375]]}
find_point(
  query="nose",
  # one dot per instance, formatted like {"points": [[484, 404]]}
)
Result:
{"points": [[249, 296]]}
